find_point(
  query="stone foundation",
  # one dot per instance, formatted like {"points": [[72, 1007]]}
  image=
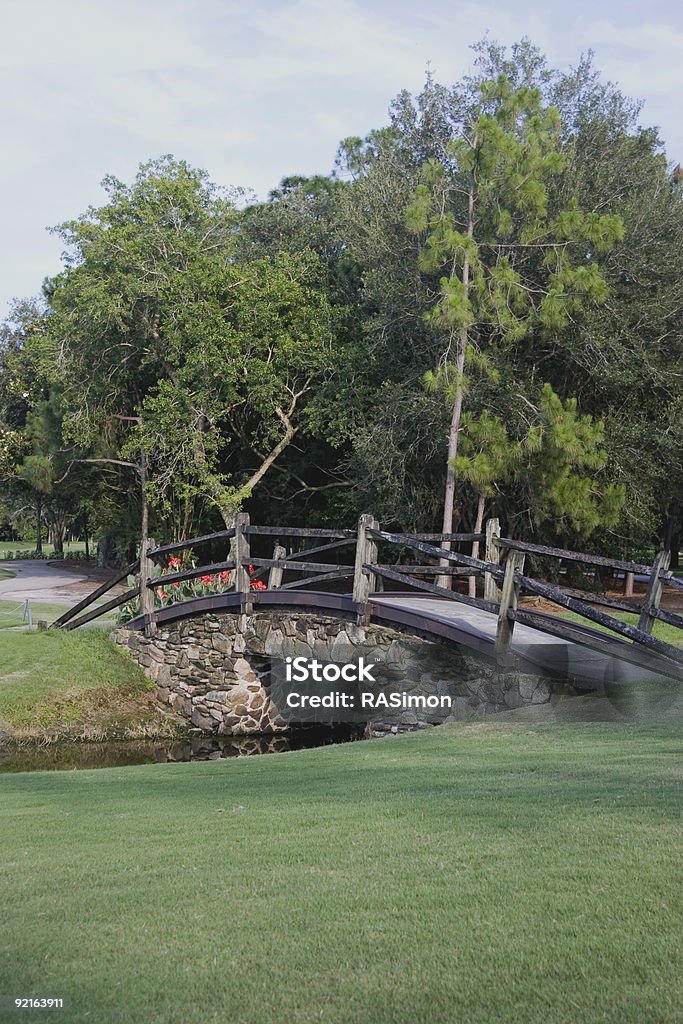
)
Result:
{"points": [[215, 669]]}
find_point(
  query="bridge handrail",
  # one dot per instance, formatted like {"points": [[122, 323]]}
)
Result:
{"points": [[98, 592], [102, 609], [406, 540], [182, 545], [463, 537], [389, 573], [608, 621], [576, 556], [298, 531]]}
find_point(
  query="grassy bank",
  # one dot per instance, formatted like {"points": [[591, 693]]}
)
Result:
{"points": [[482, 873], [76, 685]]}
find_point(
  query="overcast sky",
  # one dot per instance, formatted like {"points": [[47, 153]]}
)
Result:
{"points": [[255, 91]]}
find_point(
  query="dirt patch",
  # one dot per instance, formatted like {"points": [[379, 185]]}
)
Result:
{"points": [[95, 577]]}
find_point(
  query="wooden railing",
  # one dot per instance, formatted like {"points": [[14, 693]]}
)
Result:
{"points": [[501, 569], [514, 582]]}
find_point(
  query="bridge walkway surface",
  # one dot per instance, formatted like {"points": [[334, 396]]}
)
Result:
{"points": [[594, 657]]}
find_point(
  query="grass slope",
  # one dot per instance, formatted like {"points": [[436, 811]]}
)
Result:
{"points": [[73, 683], [477, 874]]}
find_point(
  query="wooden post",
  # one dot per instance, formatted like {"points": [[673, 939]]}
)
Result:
{"points": [[491, 554], [628, 584], [275, 574], [653, 594], [242, 556], [366, 554], [147, 595], [508, 600]]}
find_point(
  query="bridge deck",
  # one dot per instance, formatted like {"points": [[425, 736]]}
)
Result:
{"points": [[596, 657]]}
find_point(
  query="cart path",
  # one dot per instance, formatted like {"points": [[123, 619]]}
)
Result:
{"points": [[36, 580]]}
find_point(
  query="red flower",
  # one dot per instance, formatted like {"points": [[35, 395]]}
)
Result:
{"points": [[206, 579], [224, 576], [164, 594], [258, 585], [174, 563], [175, 584]]}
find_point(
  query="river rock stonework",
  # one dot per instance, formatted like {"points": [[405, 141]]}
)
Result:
{"points": [[214, 670]]}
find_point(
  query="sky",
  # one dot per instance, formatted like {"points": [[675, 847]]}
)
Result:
{"points": [[256, 91]]}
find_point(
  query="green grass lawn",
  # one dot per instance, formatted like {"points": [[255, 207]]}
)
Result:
{"points": [[51, 679], [11, 612], [4, 575], [70, 547], [661, 630], [484, 873]]}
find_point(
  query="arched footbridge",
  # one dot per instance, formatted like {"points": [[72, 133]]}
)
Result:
{"points": [[413, 583]]}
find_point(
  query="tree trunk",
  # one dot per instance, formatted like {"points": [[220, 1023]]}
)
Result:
{"points": [[672, 532], [58, 532], [472, 580], [39, 527], [454, 431]]}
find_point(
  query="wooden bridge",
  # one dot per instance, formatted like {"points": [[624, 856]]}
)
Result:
{"points": [[493, 624]]}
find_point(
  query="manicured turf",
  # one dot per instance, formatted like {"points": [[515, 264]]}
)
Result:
{"points": [[485, 873], [661, 630], [49, 678], [70, 547], [11, 612]]}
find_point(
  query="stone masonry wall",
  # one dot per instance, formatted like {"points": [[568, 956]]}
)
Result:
{"points": [[214, 670]]}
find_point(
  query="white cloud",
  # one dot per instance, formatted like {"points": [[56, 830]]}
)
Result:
{"points": [[252, 92]]}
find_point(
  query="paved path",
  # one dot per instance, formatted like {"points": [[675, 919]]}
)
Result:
{"points": [[38, 581]]}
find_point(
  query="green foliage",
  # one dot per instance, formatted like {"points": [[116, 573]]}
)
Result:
{"points": [[304, 357], [568, 455], [488, 457]]}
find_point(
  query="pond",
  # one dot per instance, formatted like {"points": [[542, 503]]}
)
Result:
{"points": [[69, 756]]}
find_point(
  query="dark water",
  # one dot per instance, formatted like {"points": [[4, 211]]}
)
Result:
{"points": [[69, 756]]}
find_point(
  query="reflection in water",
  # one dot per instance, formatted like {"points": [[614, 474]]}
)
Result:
{"points": [[69, 756]]}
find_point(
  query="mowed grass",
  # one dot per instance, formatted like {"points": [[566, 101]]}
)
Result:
{"points": [[70, 547], [12, 612], [483, 873], [48, 679], [661, 630]]}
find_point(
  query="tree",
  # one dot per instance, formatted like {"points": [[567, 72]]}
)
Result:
{"points": [[179, 361], [487, 458], [508, 263]]}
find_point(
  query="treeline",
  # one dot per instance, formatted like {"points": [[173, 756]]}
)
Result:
{"points": [[478, 311]]}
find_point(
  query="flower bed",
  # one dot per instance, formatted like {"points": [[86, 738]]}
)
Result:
{"points": [[184, 590]]}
